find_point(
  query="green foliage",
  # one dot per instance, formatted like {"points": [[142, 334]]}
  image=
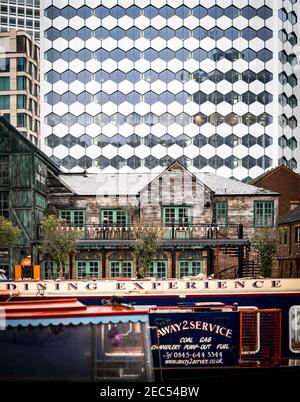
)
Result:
{"points": [[145, 248], [265, 244], [58, 240], [8, 233]]}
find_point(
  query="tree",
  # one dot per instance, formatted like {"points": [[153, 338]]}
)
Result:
{"points": [[8, 233], [265, 244], [146, 247], [58, 240]]}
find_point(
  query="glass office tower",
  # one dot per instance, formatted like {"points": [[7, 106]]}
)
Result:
{"points": [[131, 85], [21, 15]]}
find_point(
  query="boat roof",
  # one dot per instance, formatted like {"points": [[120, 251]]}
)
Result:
{"points": [[65, 311]]}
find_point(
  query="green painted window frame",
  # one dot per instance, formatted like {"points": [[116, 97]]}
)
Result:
{"points": [[114, 216], [72, 216], [4, 83], [266, 211], [190, 267], [120, 269], [87, 269], [4, 204], [4, 170], [177, 210], [221, 213], [4, 101], [158, 269], [53, 270]]}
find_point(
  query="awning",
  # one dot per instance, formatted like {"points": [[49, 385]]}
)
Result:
{"points": [[77, 320]]}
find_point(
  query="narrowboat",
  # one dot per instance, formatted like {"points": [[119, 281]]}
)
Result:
{"points": [[63, 339]]}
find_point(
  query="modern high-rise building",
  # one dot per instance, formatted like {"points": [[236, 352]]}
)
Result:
{"points": [[21, 15], [19, 83], [130, 85]]}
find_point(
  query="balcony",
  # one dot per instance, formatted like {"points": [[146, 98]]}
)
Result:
{"points": [[165, 232]]}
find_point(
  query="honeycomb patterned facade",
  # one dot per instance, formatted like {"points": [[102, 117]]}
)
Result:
{"points": [[133, 85], [288, 78]]}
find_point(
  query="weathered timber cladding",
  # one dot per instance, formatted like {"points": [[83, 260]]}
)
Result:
{"points": [[176, 187]]}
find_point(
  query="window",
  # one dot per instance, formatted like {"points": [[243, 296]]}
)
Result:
{"points": [[297, 234], [21, 120], [4, 170], [177, 215], [221, 213], [21, 101], [51, 270], [87, 269], [4, 84], [120, 269], [115, 217], [263, 213], [158, 269], [294, 336], [283, 236], [4, 65], [4, 204], [21, 64], [73, 216], [4, 101], [21, 82], [189, 268]]}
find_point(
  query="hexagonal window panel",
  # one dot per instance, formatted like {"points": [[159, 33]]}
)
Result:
{"points": [[216, 140], [248, 97], [166, 140], [101, 162], [151, 162], [232, 140], [52, 119], [118, 162], [166, 161], [52, 141], [264, 162], [85, 162], [200, 162], [216, 119], [69, 141], [216, 97], [264, 119], [232, 98], [292, 121], [265, 98], [69, 162], [199, 119], [85, 141], [215, 162], [52, 34], [232, 162], [134, 162], [200, 140], [248, 119], [232, 119]]}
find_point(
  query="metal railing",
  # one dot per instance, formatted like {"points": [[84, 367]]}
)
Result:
{"points": [[168, 232]]}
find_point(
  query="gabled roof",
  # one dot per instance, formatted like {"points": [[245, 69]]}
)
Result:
{"points": [[134, 183], [271, 172], [28, 144], [292, 216]]}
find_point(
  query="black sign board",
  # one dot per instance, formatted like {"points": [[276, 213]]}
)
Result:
{"points": [[195, 339]]}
